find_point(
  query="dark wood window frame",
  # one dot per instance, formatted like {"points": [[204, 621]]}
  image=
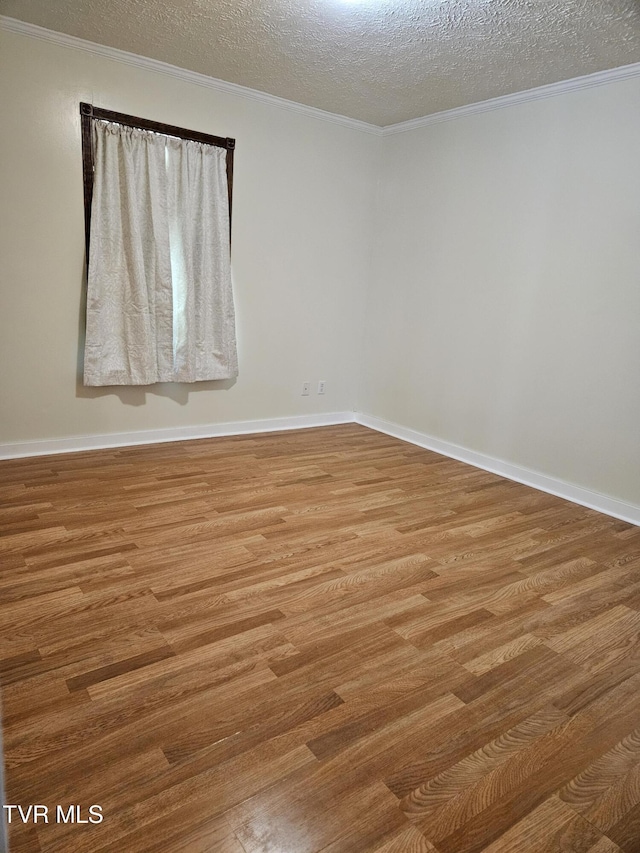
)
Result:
{"points": [[88, 112]]}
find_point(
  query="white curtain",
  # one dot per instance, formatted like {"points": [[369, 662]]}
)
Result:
{"points": [[159, 300]]}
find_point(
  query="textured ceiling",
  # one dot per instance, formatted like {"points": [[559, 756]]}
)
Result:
{"points": [[382, 61]]}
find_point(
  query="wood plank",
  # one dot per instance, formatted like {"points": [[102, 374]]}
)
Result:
{"points": [[321, 641]]}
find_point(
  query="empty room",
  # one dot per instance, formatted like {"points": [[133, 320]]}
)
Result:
{"points": [[320, 426]]}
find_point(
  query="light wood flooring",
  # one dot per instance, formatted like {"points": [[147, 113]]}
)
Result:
{"points": [[325, 640]]}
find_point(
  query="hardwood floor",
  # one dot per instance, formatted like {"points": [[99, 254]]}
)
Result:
{"points": [[326, 640]]}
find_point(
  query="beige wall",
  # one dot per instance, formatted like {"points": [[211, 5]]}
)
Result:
{"points": [[504, 311], [482, 286], [302, 212]]}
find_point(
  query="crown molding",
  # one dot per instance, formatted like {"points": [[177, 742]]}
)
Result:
{"points": [[589, 81], [23, 28]]}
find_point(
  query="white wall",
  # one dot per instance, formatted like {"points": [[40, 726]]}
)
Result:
{"points": [[302, 211], [504, 310]]}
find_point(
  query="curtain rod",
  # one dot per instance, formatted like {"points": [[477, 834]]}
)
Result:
{"points": [[88, 112], [157, 127]]}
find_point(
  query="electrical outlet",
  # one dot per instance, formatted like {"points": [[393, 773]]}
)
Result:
{"points": [[306, 389], [321, 386]]}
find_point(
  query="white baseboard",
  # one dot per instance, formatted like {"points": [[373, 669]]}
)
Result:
{"points": [[156, 436], [559, 488], [551, 485]]}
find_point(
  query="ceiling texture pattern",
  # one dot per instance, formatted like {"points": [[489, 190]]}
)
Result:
{"points": [[380, 61]]}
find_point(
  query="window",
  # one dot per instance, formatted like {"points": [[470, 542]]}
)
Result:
{"points": [[158, 230]]}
